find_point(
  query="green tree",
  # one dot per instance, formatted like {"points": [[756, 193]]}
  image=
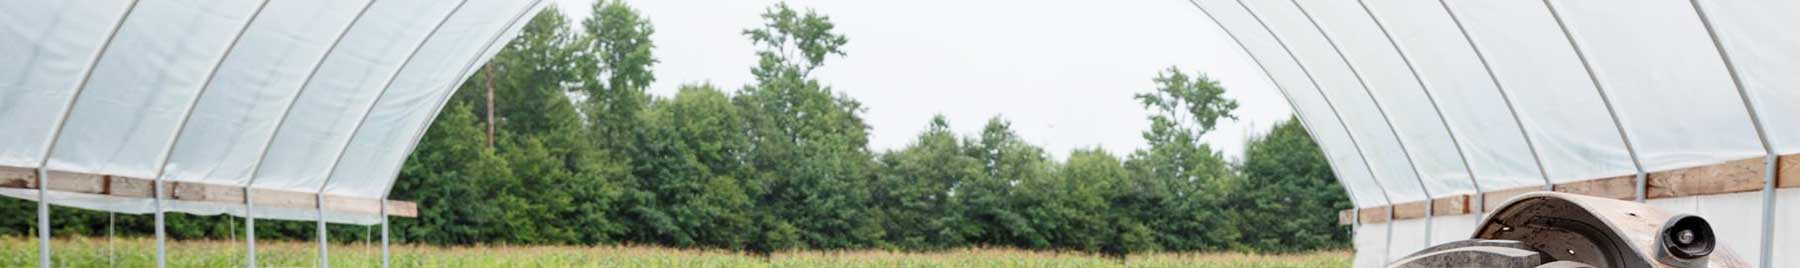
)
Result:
{"points": [[616, 68], [1290, 193], [808, 146], [1179, 184], [915, 187], [988, 202], [1073, 207], [692, 148]]}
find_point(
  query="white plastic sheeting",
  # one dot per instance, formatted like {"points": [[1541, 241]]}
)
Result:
{"points": [[1533, 92], [1666, 80], [139, 93], [1760, 38], [1408, 237], [277, 96], [1346, 96], [1568, 122], [1371, 245], [1787, 240], [50, 47], [256, 85], [1308, 104], [1452, 228], [372, 155], [1392, 85], [1497, 152]]}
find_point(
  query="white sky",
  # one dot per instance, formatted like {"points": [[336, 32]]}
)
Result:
{"points": [[1062, 71]]}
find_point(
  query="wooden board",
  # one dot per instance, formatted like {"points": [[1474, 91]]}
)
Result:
{"points": [[1736, 176], [1621, 187], [1374, 215], [1345, 216], [1744, 175], [1409, 210], [1790, 171], [1450, 206], [20, 178]]}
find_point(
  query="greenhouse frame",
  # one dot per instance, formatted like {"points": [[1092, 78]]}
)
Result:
{"points": [[1434, 112], [288, 110]]}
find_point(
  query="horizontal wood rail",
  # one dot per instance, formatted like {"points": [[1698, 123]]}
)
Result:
{"points": [[1745, 175], [119, 186]]}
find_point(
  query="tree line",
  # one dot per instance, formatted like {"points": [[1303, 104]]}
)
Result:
{"points": [[582, 154]]}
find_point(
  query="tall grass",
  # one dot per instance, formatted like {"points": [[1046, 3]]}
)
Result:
{"points": [[139, 252]]}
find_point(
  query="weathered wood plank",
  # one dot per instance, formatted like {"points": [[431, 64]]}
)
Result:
{"points": [[1621, 187], [1409, 210], [1744, 175], [1789, 171], [22, 178], [403, 208], [1374, 215], [1450, 205], [11, 177]]}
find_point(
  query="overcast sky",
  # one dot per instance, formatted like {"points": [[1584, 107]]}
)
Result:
{"points": [[1062, 71]]}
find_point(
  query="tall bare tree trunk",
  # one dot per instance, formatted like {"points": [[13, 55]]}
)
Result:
{"points": [[488, 75]]}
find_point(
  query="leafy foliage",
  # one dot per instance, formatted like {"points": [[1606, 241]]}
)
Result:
{"points": [[585, 156]]}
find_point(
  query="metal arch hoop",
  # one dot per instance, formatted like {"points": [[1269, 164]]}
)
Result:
{"points": [[1418, 175], [1355, 211], [1581, 54], [1765, 258], [485, 48], [1455, 140], [162, 254], [256, 167], [1335, 113], [1506, 97], [1285, 95], [324, 250], [43, 175]]}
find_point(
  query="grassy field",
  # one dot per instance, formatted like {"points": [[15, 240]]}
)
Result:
{"points": [[138, 252]]}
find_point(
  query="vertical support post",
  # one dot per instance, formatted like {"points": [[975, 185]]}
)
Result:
{"points": [[43, 218], [162, 253], [384, 233], [158, 185], [1770, 159], [1455, 139], [1506, 97], [249, 230], [256, 167], [43, 173], [1581, 54], [1418, 175], [324, 253], [1388, 250]]}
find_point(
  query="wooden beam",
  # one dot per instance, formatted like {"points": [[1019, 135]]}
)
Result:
{"points": [[1744, 175], [22, 178], [1450, 205], [1621, 187], [1345, 216], [1374, 215], [1409, 210], [1789, 171]]}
